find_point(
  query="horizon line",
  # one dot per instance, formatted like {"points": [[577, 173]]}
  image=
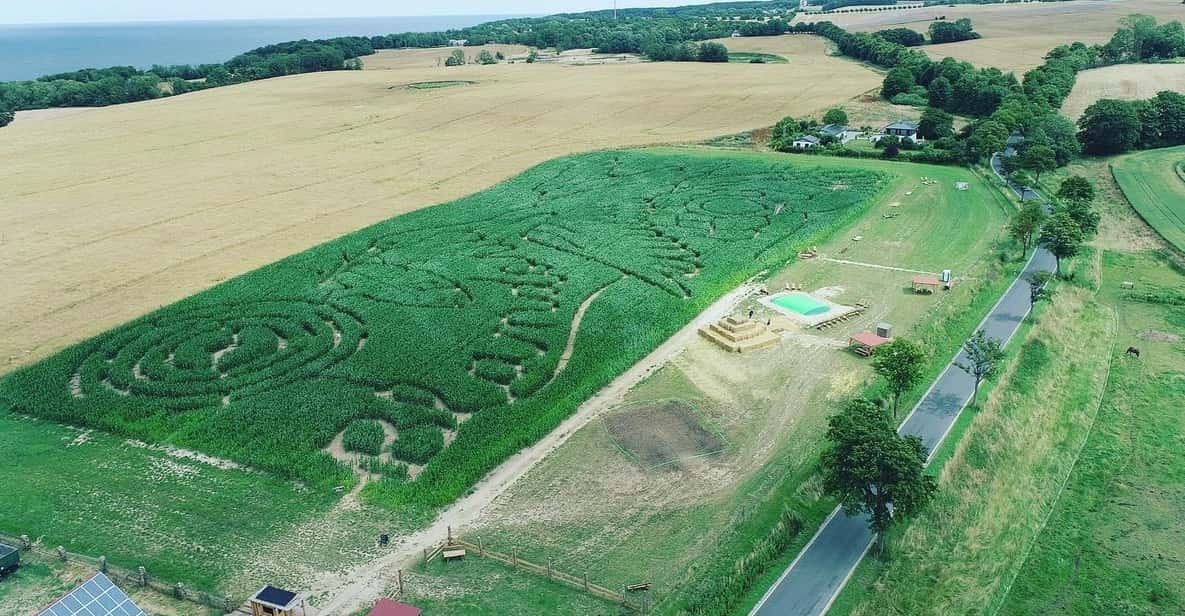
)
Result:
{"points": [[249, 19]]}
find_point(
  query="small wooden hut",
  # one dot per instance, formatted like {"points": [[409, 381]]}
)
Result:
{"points": [[865, 343], [272, 601], [389, 607], [926, 284]]}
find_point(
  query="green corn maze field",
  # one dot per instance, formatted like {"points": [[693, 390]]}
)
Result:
{"points": [[451, 321]]}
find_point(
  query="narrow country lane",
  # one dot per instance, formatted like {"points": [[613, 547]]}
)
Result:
{"points": [[814, 579]]}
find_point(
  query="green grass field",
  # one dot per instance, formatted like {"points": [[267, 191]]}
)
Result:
{"points": [[454, 312], [1154, 182], [1113, 543]]}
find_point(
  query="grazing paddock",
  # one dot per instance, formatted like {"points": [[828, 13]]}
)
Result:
{"points": [[1016, 36], [480, 323], [111, 213], [1125, 82], [1154, 183]]}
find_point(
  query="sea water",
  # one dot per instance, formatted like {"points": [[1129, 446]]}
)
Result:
{"points": [[30, 51]]}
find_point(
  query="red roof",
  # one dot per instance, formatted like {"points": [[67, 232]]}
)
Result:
{"points": [[387, 607], [869, 339], [926, 280]]}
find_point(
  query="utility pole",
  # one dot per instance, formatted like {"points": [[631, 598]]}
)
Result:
{"points": [[614, 10]]}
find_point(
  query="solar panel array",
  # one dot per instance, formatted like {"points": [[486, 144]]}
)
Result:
{"points": [[98, 596]]}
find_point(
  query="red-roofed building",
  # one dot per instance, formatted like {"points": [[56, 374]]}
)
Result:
{"points": [[866, 342], [388, 607]]}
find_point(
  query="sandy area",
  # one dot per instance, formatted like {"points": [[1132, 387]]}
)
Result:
{"points": [[109, 213], [1016, 36]]}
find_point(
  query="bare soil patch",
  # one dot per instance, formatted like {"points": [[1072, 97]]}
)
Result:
{"points": [[1153, 335], [662, 433]]}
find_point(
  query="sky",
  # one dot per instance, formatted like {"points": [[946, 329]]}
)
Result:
{"points": [[62, 11]]}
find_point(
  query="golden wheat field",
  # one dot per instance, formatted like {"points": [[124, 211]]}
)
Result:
{"points": [[1125, 82], [1015, 36], [106, 214]]}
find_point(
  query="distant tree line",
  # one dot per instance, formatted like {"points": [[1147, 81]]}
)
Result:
{"points": [[1000, 104], [126, 84], [941, 31]]}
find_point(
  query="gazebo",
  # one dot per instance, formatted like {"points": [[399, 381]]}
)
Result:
{"points": [[865, 343], [926, 284], [272, 601]]}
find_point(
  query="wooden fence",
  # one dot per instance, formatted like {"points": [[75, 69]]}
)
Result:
{"points": [[580, 583], [122, 576]]}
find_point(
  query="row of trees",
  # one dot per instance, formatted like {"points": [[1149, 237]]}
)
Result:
{"points": [[1072, 222], [633, 31], [1112, 126], [125, 84], [688, 52]]}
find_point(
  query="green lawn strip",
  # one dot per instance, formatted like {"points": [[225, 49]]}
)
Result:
{"points": [[1112, 544], [1151, 182], [183, 520]]}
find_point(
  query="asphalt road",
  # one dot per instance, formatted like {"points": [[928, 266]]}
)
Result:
{"points": [[814, 579]]}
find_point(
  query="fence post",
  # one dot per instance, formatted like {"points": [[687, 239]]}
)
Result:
{"points": [[481, 548], [586, 581], [179, 590], [401, 582], [61, 553], [450, 535], [25, 543], [103, 564], [548, 567], [514, 558], [141, 576], [425, 556]]}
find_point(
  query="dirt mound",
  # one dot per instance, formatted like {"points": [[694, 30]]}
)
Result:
{"points": [[657, 435]]}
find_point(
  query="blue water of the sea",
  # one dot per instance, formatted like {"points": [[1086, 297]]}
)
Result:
{"points": [[29, 51]]}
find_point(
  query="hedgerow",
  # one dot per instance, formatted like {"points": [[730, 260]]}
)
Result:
{"points": [[449, 318]]}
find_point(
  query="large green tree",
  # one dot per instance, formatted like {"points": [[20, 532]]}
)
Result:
{"points": [[1038, 159], [1062, 236], [940, 92], [835, 116], [983, 356], [872, 470], [1109, 126], [898, 81], [1057, 132], [900, 363], [1170, 108], [935, 124], [1026, 223], [987, 138], [1076, 188]]}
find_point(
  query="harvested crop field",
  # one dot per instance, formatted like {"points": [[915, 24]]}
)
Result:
{"points": [[110, 213], [1125, 82], [662, 433], [1015, 36]]}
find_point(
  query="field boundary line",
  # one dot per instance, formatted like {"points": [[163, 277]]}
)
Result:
{"points": [[1070, 473], [876, 266]]}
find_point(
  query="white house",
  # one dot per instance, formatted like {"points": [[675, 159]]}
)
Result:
{"points": [[903, 130], [806, 142]]}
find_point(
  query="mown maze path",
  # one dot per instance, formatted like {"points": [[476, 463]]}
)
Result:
{"points": [[455, 318], [818, 574]]}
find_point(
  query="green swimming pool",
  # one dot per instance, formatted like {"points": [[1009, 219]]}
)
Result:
{"points": [[802, 304]]}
